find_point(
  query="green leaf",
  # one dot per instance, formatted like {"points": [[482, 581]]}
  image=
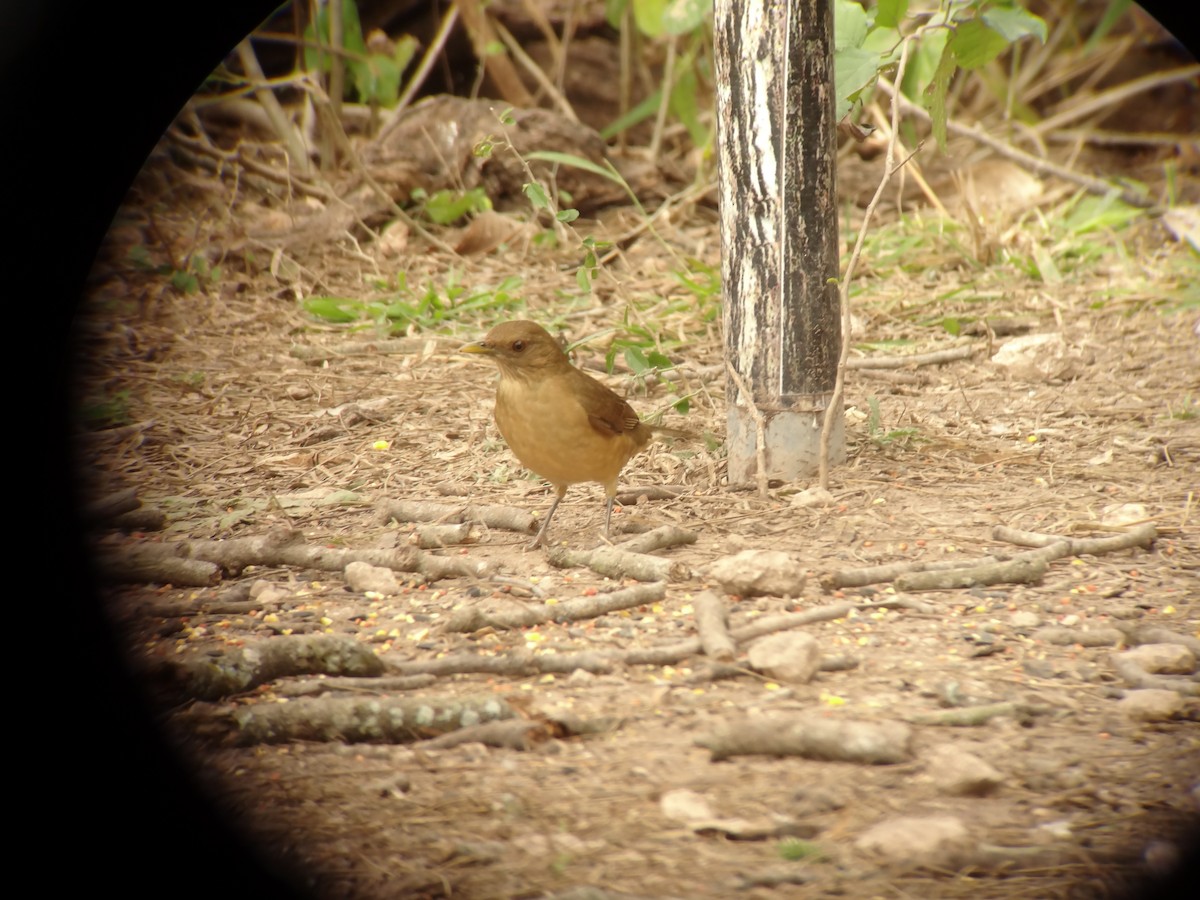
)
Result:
{"points": [[352, 37], [334, 309], [952, 325], [660, 361], [614, 10], [682, 406], [640, 113], [923, 64], [537, 195], [578, 162], [567, 215], [648, 16], [685, 16], [139, 257], [850, 25], [406, 49], [854, 70], [1013, 23], [447, 206], [1092, 213], [685, 107], [975, 45], [185, 282], [636, 360], [888, 13], [935, 98], [1112, 14], [583, 279]]}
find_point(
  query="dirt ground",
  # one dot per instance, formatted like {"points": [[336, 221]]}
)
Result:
{"points": [[239, 413]]}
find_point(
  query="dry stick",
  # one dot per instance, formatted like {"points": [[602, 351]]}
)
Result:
{"points": [[617, 563], [354, 720], [661, 538], [1116, 95], [1026, 160], [286, 547], [538, 16], [480, 28], [422, 71], [1141, 536], [1105, 138], [300, 185], [1137, 677], [980, 715], [839, 385], [509, 518], [536, 71], [238, 669], [516, 663], [270, 105], [760, 430], [474, 618], [712, 614], [660, 118], [811, 736], [892, 571], [357, 164], [310, 687], [933, 358], [1024, 568]]}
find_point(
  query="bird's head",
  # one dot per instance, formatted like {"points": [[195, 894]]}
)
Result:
{"points": [[519, 348]]}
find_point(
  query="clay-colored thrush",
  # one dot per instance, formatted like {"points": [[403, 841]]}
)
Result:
{"points": [[561, 423]]}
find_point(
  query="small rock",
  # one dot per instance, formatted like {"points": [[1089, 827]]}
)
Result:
{"points": [[1023, 619], [685, 806], [1037, 357], [752, 573], [1163, 659], [1162, 857], [792, 657], [962, 774], [1151, 705], [1053, 832], [1120, 514], [915, 841], [363, 577]]}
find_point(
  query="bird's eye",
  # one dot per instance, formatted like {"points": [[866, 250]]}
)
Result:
{"points": [[518, 346]]}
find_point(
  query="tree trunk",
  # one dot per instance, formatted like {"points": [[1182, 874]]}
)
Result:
{"points": [[779, 234]]}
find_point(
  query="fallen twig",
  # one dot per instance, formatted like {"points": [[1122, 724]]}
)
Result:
{"points": [[661, 538], [618, 563], [980, 715], [1024, 568], [285, 547], [509, 518], [474, 618], [813, 737], [238, 669], [1026, 160], [1137, 677], [1139, 536], [359, 720], [712, 624], [933, 358]]}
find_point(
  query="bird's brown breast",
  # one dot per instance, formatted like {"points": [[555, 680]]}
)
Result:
{"points": [[567, 427]]}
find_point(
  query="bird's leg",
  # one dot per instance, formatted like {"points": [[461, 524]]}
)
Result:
{"points": [[540, 539], [608, 517]]}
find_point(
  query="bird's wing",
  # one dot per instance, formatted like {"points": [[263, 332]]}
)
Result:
{"points": [[608, 413]]}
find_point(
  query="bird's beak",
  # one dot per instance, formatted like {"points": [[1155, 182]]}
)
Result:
{"points": [[476, 347]]}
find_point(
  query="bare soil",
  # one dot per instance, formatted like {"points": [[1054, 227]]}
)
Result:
{"points": [[241, 413]]}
